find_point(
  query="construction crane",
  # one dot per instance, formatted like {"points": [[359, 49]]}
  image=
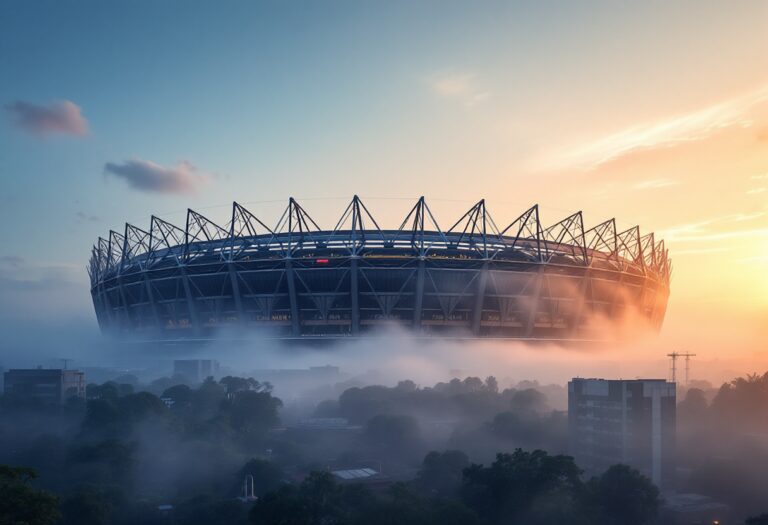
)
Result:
{"points": [[673, 365]]}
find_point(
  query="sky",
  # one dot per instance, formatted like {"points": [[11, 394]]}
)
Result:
{"points": [[655, 113]]}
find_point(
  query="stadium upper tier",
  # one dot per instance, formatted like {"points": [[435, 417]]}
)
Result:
{"points": [[297, 280]]}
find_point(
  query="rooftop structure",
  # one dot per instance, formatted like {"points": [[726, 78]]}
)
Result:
{"points": [[297, 280]]}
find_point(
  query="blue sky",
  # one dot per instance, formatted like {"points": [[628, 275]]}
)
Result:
{"points": [[617, 110]]}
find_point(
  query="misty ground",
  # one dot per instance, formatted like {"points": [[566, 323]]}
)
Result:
{"points": [[146, 438]]}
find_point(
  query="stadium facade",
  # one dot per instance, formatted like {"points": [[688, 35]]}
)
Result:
{"points": [[296, 280]]}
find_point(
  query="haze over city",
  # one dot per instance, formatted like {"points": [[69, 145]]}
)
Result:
{"points": [[655, 114]]}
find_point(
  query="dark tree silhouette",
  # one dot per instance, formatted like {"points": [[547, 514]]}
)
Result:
{"points": [[625, 497], [20, 503]]}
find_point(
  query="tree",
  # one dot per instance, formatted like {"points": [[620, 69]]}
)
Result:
{"points": [[180, 394], [20, 503], [740, 403], [109, 461], [88, 506], [693, 408], [441, 473], [237, 384], [528, 402], [267, 476], [254, 413], [625, 497], [507, 490], [208, 399], [319, 499], [108, 391], [393, 434]]}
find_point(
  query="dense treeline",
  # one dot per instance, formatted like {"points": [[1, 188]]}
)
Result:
{"points": [[723, 442], [127, 450], [121, 453], [522, 487]]}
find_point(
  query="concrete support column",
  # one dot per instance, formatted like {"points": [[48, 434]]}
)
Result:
{"points": [[124, 300], [477, 313], [354, 296], [190, 300], [151, 298], [236, 293], [419, 295], [295, 321], [531, 321]]}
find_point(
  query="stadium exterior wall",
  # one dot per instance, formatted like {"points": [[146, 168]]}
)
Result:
{"points": [[297, 280]]}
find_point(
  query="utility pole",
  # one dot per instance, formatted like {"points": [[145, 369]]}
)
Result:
{"points": [[673, 365]]}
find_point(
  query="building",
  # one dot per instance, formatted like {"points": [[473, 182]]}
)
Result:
{"points": [[525, 279], [195, 370], [623, 421], [52, 386]]}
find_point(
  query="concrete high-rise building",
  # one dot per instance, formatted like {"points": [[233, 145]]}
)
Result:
{"points": [[623, 421], [45, 384]]}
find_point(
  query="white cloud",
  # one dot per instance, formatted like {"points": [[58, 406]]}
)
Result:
{"points": [[716, 229], [459, 86]]}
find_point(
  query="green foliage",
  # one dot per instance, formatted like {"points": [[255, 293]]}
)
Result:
{"points": [[108, 462], [116, 416], [741, 403], [441, 474], [238, 384], [87, 506], [507, 490], [252, 413], [393, 436], [267, 476], [20, 503], [181, 395], [319, 499], [625, 497]]}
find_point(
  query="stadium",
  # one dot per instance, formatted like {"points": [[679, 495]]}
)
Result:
{"points": [[297, 280]]}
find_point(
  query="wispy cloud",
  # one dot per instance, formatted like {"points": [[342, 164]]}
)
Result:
{"points": [[56, 118], [755, 191], [694, 126], [764, 176], [459, 86], [654, 184], [144, 175], [717, 229]]}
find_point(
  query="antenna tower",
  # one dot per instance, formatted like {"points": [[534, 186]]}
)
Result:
{"points": [[673, 364]]}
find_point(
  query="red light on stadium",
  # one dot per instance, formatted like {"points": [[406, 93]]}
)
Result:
{"points": [[321, 261]]}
